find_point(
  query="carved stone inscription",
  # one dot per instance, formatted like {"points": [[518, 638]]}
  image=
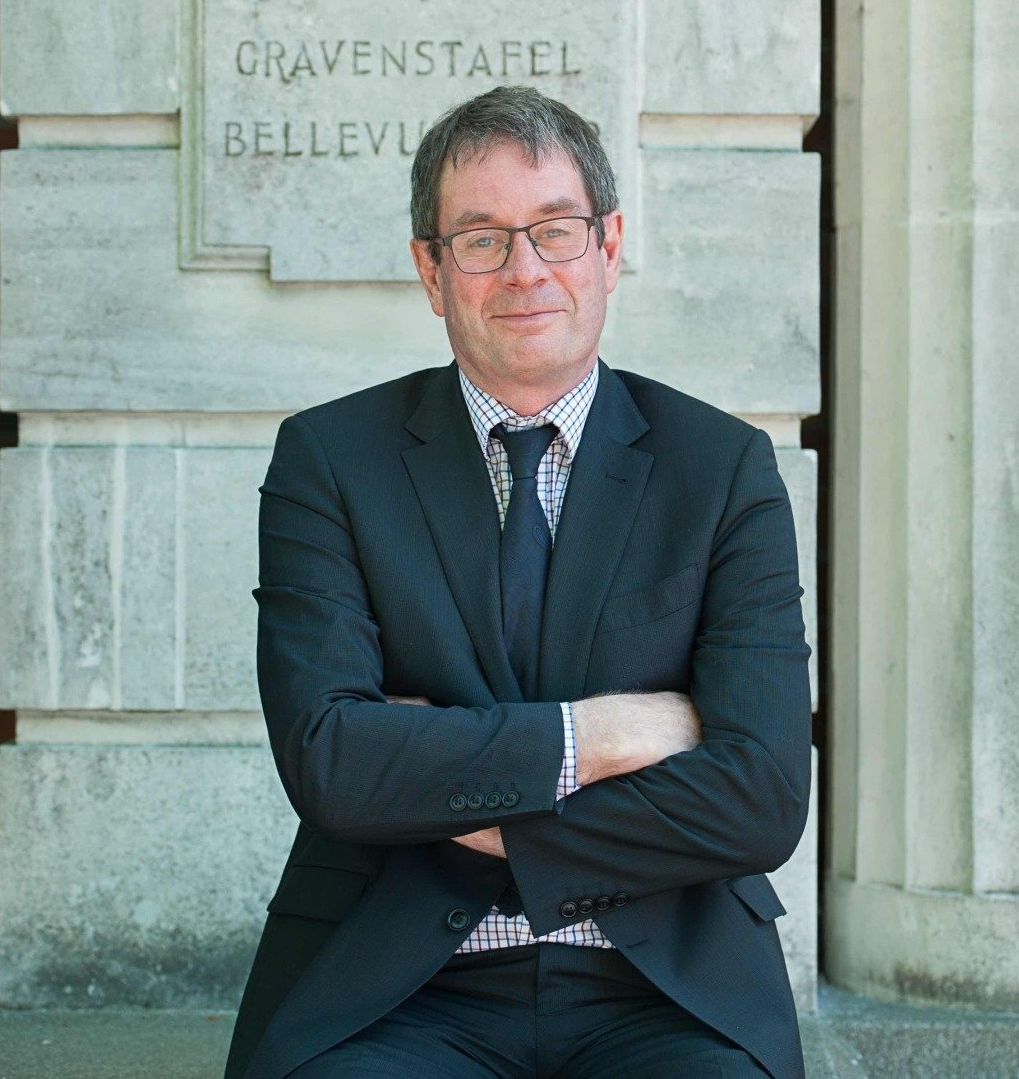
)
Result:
{"points": [[308, 113]]}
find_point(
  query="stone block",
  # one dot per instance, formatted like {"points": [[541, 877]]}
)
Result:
{"points": [[704, 57], [135, 875], [97, 315], [143, 598], [726, 304], [92, 57]]}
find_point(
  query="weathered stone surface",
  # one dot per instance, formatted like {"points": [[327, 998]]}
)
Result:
{"points": [[305, 116], [706, 57], [139, 875], [145, 486], [796, 884], [26, 629], [91, 57], [221, 569], [726, 304], [135, 875], [97, 316], [143, 600]]}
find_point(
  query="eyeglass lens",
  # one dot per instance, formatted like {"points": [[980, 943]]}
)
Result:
{"points": [[560, 240]]}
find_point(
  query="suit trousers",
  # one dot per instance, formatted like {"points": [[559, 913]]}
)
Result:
{"points": [[536, 1011]]}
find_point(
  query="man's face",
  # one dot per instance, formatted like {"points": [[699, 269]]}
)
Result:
{"points": [[531, 325]]}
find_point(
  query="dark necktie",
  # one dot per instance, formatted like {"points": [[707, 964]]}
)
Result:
{"points": [[523, 567], [525, 553]]}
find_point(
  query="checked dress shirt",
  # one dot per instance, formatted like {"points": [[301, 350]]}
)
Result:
{"points": [[569, 414]]}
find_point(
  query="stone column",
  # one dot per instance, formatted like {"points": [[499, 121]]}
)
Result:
{"points": [[923, 871]]}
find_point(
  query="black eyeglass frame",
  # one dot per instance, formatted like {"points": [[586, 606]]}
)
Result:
{"points": [[595, 221]]}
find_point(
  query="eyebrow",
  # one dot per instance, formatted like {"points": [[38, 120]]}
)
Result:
{"points": [[563, 204]]}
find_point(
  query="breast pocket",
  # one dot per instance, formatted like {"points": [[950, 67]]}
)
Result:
{"points": [[670, 594]]}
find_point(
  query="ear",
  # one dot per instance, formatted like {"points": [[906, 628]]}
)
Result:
{"points": [[612, 249], [428, 271]]}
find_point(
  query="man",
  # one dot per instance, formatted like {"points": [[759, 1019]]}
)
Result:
{"points": [[532, 663]]}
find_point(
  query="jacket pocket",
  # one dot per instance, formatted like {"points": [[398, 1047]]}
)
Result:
{"points": [[314, 891], [670, 594], [758, 894]]}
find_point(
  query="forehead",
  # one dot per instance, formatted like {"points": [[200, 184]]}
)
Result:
{"points": [[502, 185]]}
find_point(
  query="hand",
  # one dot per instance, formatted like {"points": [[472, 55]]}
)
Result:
{"points": [[488, 841], [621, 732], [407, 700]]}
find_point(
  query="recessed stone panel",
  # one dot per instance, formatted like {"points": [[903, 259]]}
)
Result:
{"points": [[706, 57], [89, 57], [304, 117]]}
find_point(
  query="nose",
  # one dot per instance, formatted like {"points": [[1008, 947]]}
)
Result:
{"points": [[523, 266]]}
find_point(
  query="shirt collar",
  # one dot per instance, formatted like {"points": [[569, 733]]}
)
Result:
{"points": [[569, 413]]}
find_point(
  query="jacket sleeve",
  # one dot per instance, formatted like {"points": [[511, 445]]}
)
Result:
{"points": [[355, 767], [736, 804]]}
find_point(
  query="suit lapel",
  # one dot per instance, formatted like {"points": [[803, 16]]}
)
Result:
{"points": [[607, 480], [451, 479]]}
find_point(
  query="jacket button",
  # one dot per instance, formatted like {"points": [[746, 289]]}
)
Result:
{"points": [[510, 799], [620, 899], [458, 919], [603, 902], [458, 802], [494, 800], [476, 800], [568, 909], [585, 906]]}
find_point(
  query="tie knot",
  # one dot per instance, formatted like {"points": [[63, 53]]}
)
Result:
{"points": [[525, 448]]}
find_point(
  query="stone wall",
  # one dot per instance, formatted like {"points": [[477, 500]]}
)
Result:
{"points": [[174, 285]]}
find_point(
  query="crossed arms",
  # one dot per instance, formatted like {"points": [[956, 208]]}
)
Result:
{"points": [[359, 768]]}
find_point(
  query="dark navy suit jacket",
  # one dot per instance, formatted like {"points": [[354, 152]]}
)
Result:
{"points": [[674, 567]]}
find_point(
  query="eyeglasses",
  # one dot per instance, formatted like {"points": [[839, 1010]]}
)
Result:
{"points": [[558, 239]]}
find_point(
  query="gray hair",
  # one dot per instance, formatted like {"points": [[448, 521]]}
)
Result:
{"points": [[540, 124]]}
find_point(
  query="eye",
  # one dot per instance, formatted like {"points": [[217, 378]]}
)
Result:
{"points": [[481, 241]]}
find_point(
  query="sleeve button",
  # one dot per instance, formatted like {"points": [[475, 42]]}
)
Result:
{"points": [[620, 899], [458, 802], [603, 902], [458, 919], [510, 799], [585, 906], [568, 909], [494, 800], [476, 800]]}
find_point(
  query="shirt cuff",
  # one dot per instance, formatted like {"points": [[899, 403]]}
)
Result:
{"points": [[568, 776]]}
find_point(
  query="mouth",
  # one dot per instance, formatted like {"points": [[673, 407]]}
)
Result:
{"points": [[523, 317]]}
